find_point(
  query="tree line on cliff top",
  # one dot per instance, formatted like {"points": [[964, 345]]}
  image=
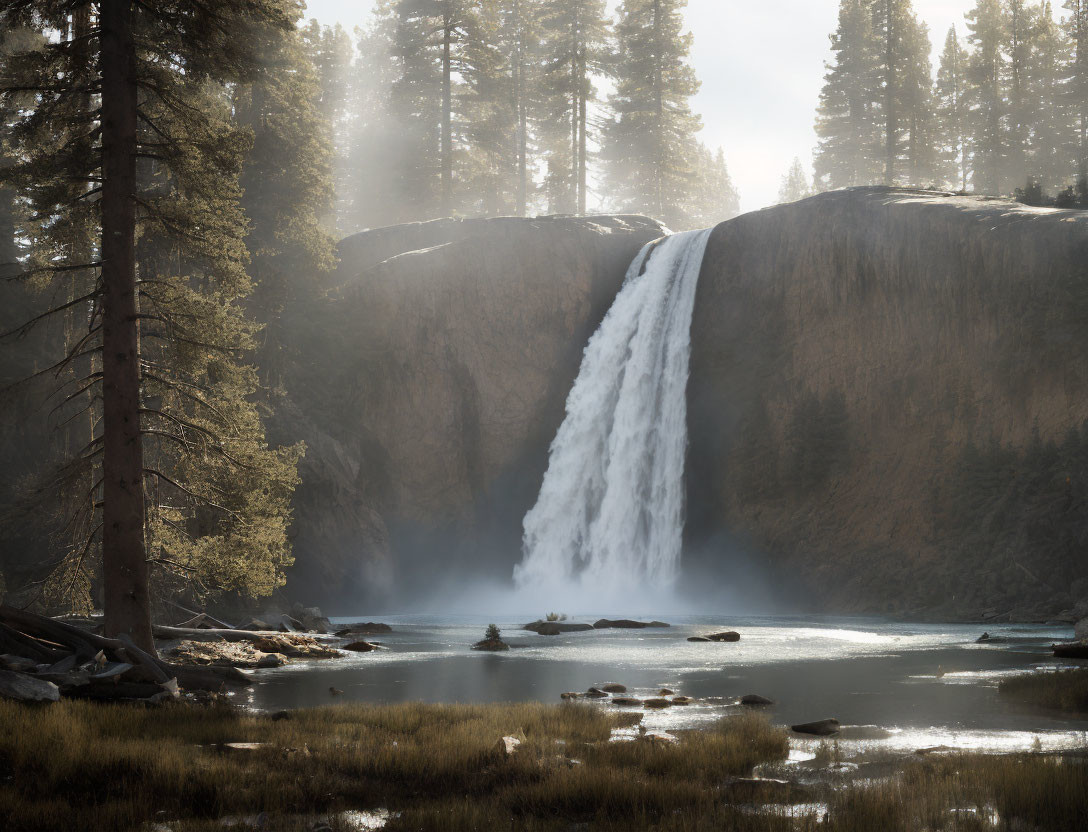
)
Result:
{"points": [[494, 107], [1007, 109]]}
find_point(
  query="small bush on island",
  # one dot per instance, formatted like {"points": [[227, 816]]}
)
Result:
{"points": [[492, 633], [1064, 690]]}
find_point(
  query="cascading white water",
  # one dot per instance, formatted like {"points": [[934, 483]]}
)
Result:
{"points": [[610, 514]]}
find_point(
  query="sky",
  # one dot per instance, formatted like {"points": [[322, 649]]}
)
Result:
{"points": [[761, 65]]}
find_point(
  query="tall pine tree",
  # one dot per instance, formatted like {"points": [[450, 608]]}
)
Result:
{"points": [[952, 113], [649, 147], [573, 49], [847, 125], [142, 116]]}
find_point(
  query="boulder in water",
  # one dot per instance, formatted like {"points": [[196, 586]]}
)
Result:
{"points": [[819, 728], [682, 700], [626, 701], [657, 703], [596, 693], [1071, 650], [727, 636], [625, 624], [360, 647], [755, 699], [554, 628], [698, 638], [612, 687], [364, 628]]}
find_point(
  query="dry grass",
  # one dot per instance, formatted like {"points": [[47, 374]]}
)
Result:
{"points": [[78, 765], [1065, 690]]}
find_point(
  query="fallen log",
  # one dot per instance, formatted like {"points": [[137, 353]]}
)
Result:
{"points": [[21, 644], [165, 633], [89, 644], [25, 688]]}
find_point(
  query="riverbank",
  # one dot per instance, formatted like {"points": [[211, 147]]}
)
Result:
{"points": [[76, 766]]}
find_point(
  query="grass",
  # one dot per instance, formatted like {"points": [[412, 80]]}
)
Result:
{"points": [[1065, 690], [78, 765]]}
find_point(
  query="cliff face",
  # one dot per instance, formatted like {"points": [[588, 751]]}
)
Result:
{"points": [[886, 400], [428, 386]]}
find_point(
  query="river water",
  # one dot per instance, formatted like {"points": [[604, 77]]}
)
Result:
{"points": [[925, 684]]}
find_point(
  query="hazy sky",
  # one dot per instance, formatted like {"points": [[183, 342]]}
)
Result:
{"points": [[762, 67]]}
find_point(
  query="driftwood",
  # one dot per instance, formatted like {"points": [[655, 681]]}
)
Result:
{"points": [[205, 634], [87, 645]]}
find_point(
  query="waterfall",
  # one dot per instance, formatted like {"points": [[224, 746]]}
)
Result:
{"points": [[610, 514]]}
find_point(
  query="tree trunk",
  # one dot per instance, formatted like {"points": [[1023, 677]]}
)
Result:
{"points": [[659, 112], [575, 97], [582, 162], [447, 115], [127, 604]]}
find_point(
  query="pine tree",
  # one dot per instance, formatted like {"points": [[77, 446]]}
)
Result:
{"points": [[1076, 83], [986, 72], [846, 120], [918, 106], [330, 52], [1049, 118], [573, 47], [491, 180], [1019, 110], [889, 28], [952, 113], [160, 162], [715, 198], [794, 184], [649, 145]]}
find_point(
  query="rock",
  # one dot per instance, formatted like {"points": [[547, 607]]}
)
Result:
{"points": [[626, 701], [665, 692], [255, 625], [335, 691], [612, 687], [657, 703], [272, 660], [19, 663], [364, 628], [698, 638], [1071, 650], [243, 746], [594, 693], [820, 728], [279, 716], [311, 618], [986, 638], [506, 747], [727, 636], [755, 699], [491, 645], [287, 624], [682, 700], [571, 695], [1080, 630], [554, 628], [362, 647], [659, 738], [625, 624], [24, 688]]}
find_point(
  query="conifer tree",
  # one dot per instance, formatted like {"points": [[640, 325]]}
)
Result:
{"points": [[1076, 83], [952, 113], [795, 184], [847, 116], [917, 103], [1019, 109], [649, 145], [714, 198], [986, 73], [164, 332], [1049, 117], [573, 47]]}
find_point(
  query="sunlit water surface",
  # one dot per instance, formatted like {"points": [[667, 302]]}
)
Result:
{"points": [[924, 685]]}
